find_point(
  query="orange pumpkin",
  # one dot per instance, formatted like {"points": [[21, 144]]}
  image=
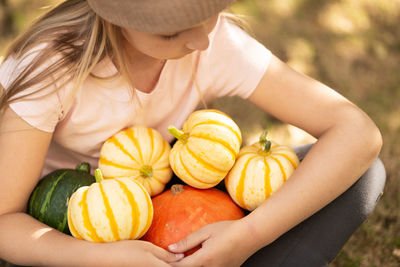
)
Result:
{"points": [[183, 210]]}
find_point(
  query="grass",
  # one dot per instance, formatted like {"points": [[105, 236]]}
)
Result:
{"points": [[350, 45]]}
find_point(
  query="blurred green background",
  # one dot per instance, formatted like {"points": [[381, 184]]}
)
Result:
{"points": [[352, 46]]}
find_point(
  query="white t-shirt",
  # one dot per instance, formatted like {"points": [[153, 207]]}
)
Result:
{"points": [[82, 121]]}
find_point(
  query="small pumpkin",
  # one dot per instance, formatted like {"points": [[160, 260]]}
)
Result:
{"points": [[49, 199], [259, 171], [206, 148], [140, 153], [110, 210], [183, 210]]}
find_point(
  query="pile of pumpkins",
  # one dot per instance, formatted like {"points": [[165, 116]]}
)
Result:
{"points": [[127, 198]]}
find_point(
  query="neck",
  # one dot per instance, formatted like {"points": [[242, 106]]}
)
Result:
{"points": [[144, 71], [136, 57]]}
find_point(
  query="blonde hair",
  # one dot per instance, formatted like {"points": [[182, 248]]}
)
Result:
{"points": [[75, 37]]}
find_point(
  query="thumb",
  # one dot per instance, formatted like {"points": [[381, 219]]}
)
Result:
{"points": [[191, 241]]}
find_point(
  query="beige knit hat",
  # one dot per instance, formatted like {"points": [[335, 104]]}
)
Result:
{"points": [[157, 16]]}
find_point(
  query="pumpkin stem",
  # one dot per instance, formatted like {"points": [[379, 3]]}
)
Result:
{"points": [[176, 189], [83, 166], [146, 171], [265, 144], [98, 175], [178, 134]]}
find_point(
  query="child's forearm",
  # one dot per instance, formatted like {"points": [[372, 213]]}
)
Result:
{"points": [[25, 241], [332, 165]]}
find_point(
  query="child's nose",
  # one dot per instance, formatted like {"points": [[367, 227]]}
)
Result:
{"points": [[198, 39]]}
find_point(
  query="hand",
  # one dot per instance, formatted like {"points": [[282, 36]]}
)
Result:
{"points": [[132, 253], [223, 243]]}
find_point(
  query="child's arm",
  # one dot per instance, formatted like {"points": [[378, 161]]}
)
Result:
{"points": [[26, 241], [348, 142]]}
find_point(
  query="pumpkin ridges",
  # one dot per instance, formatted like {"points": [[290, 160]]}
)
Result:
{"points": [[278, 163], [101, 211], [240, 185], [151, 136], [147, 147], [131, 134], [86, 219], [71, 225], [185, 168], [205, 164], [149, 215], [192, 177], [72, 228], [216, 140], [288, 158], [156, 179], [224, 117], [108, 162], [161, 169], [252, 149], [149, 185], [267, 180], [121, 147], [208, 145], [165, 145], [134, 208], [109, 214], [214, 122], [280, 167]]}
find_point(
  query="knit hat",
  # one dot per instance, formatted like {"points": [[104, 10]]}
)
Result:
{"points": [[157, 16]]}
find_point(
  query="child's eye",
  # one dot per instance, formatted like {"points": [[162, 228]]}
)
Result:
{"points": [[169, 37]]}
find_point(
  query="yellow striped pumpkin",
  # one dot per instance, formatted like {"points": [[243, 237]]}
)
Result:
{"points": [[206, 148], [110, 210], [259, 171], [140, 153]]}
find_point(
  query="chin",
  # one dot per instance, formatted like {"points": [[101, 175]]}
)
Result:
{"points": [[183, 54]]}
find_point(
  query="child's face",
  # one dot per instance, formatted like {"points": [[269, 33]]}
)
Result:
{"points": [[171, 45]]}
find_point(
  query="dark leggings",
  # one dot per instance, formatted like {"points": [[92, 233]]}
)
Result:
{"points": [[316, 241]]}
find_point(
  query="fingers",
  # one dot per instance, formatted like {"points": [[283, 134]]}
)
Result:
{"points": [[163, 254], [191, 241]]}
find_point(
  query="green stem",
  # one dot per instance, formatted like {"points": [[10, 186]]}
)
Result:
{"points": [[98, 175], [178, 134], [146, 171], [265, 144]]}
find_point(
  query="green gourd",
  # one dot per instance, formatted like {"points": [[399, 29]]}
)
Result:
{"points": [[48, 202]]}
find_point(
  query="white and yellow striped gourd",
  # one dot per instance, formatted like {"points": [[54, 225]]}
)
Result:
{"points": [[259, 171], [140, 153], [206, 148], [110, 210]]}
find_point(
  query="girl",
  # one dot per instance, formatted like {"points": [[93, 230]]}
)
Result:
{"points": [[89, 68]]}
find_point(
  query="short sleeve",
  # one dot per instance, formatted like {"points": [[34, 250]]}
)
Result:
{"points": [[41, 108], [233, 64]]}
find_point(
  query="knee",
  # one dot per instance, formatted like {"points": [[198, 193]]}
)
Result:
{"points": [[370, 188]]}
